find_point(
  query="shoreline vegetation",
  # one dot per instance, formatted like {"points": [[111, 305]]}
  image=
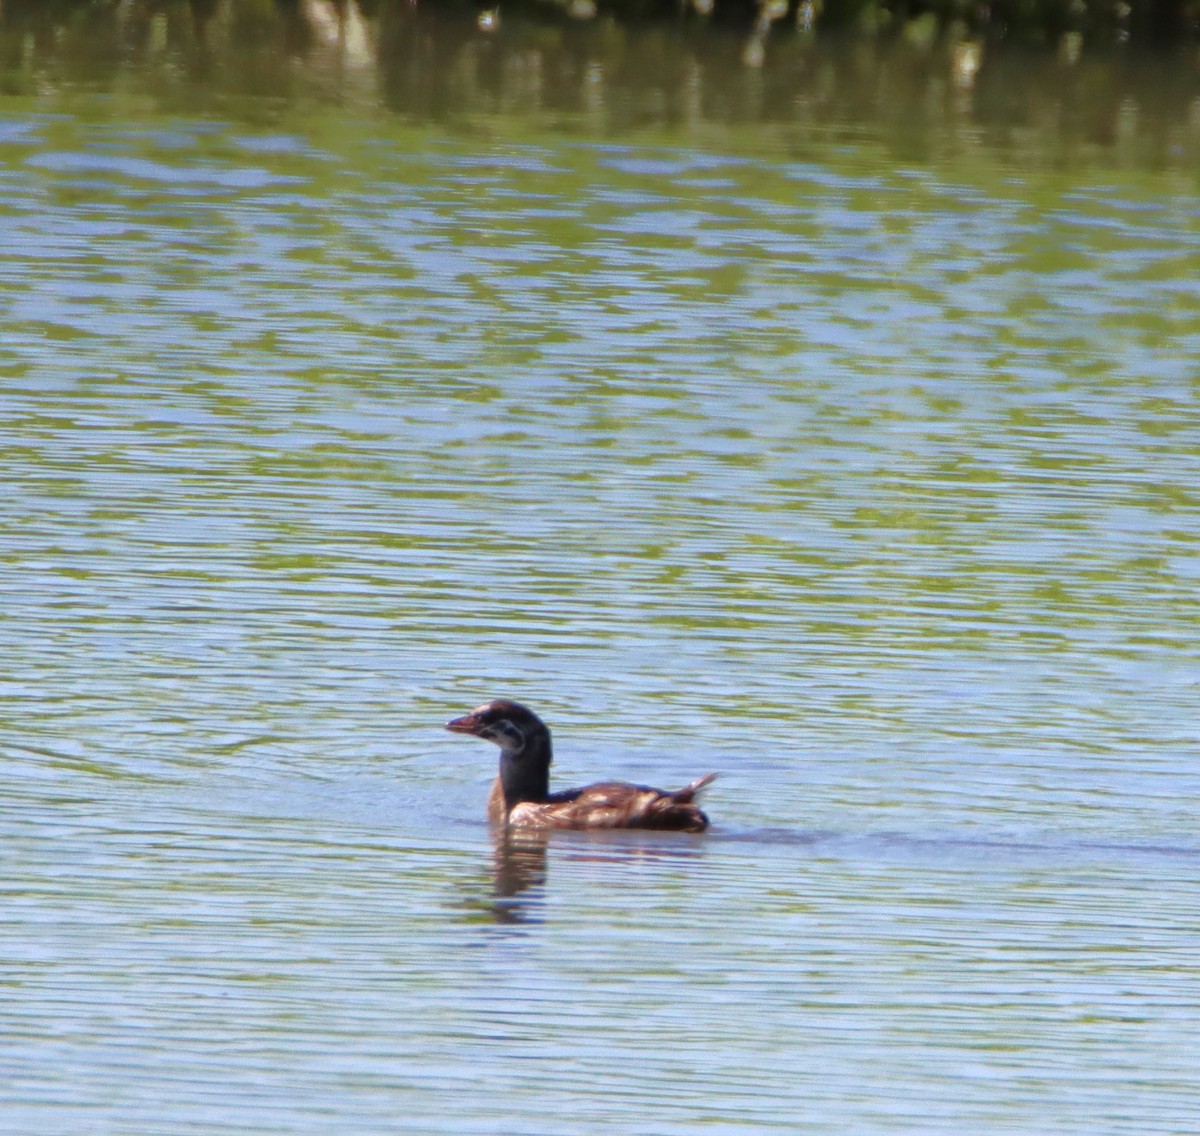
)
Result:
{"points": [[1064, 26], [1048, 81]]}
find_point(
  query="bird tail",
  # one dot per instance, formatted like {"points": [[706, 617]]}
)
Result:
{"points": [[689, 791]]}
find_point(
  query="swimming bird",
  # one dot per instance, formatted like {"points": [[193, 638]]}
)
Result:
{"points": [[521, 793]]}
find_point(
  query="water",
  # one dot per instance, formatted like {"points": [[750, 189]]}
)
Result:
{"points": [[865, 478]]}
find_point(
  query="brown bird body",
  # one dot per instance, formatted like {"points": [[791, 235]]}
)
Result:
{"points": [[521, 793]]}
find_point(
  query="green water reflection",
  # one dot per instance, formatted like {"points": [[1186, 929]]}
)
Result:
{"points": [[843, 445]]}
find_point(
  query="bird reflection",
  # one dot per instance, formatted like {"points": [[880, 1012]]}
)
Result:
{"points": [[519, 869], [518, 865]]}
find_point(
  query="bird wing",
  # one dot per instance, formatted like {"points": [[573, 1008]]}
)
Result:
{"points": [[615, 804]]}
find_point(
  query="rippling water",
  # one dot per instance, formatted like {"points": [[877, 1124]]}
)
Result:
{"points": [[871, 485]]}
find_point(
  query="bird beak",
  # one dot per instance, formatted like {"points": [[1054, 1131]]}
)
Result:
{"points": [[467, 724]]}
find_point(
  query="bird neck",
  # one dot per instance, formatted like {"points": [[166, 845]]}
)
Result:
{"points": [[525, 776]]}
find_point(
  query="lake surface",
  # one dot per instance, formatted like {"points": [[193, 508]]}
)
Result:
{"points": [[864, 474]]}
